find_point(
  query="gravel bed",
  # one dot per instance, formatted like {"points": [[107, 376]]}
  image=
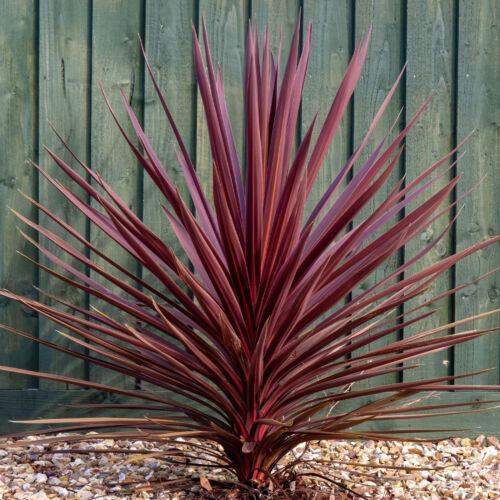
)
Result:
{"points": [[459, 468]]}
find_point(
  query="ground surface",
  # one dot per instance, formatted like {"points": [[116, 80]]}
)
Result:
{"points": [[461, 468]]}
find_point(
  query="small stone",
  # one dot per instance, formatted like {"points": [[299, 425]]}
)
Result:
{"points": [[479, 440], [63, 492], [41, 478], [61, 461], [466, 442], [492, 441], [41, 495], [85, 495], [83, 480]]}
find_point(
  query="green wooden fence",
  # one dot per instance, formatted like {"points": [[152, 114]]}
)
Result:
{"points": [[53, 52]]}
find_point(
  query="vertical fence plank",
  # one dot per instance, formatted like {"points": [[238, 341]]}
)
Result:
{"points": [[227, 22], [277, 15], [383, 64], [330, 54], [430, 56], [64, 91], [116, 62], [169, 49], [478, 100], [18, 143]]}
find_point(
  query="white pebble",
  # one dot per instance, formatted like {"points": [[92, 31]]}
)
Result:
{"points": [[63, 492], [41, 495], [85, 495], [41, 478], [30, 478]]}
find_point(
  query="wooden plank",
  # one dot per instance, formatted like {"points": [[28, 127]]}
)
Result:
{"points": [[34, 404], [116, 62], [227, 22], [168, 40], [485, 422], [330, 55], [383, 64], [18, 145], [277, 15], [64, 76], [169, 50], [478, 100], [430, 56], [24, 404]]}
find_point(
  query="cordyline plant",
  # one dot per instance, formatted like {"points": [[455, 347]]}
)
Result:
{"points": [[243, 345]]}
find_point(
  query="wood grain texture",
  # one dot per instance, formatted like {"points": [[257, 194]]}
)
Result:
{"points": [[383, 64], [279, 15], [430, 55], [64, 78], [169, 50], [116, 62], [330, 55], [18, 145], [227, 22], [478, 106], [18, 405]]}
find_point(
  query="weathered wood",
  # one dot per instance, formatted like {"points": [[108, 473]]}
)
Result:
{"points": [[430, 56], [64, 78], [474, 424], [384, 62], [279, 15], [169, 50], [330, 55], [478, 106], [116, 62], [227, 22], [33, 404], [18, 145]]}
